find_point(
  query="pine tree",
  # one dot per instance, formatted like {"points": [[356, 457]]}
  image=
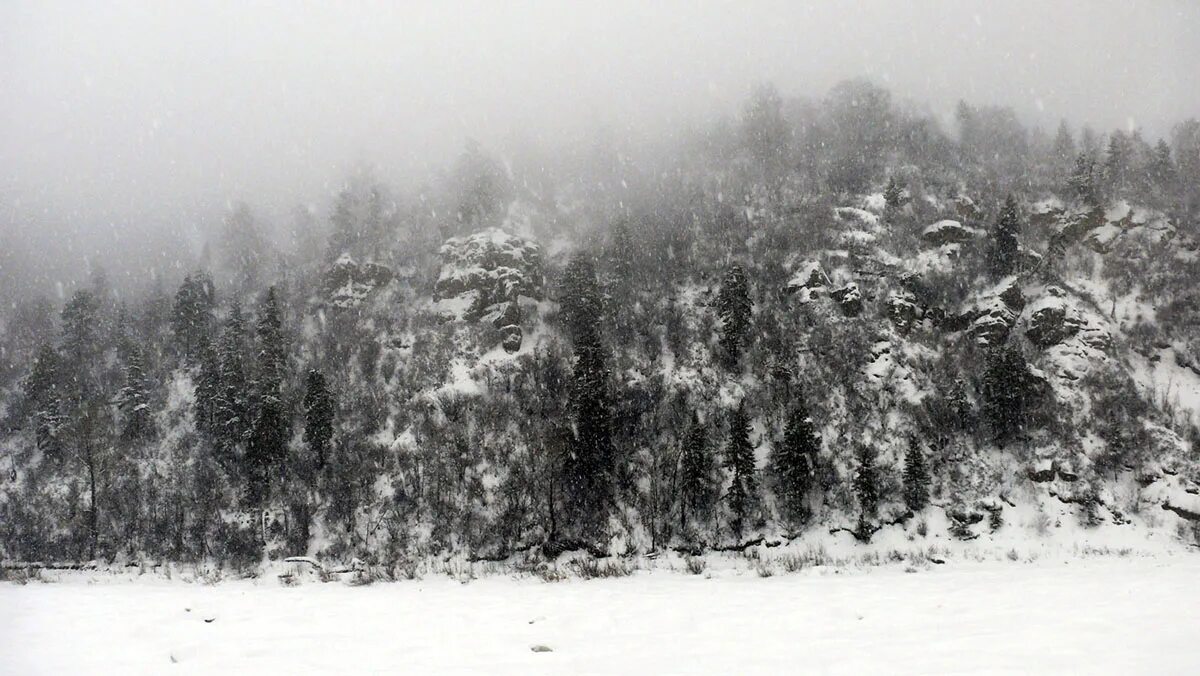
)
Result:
{"points": [[268, 440], [739, 460], [1064, 145], [1004, 254], [232, 407], [134, 401], [208, 391], [866, 482], [318, 416], [1162, 169], [916, 478], [893, 195], [735, 310], [695, 474], [1082, 180], [589, 469], [42, 394], [1005, 392], [794, 462], [1117, 163], [581, 301], [191, 318]]}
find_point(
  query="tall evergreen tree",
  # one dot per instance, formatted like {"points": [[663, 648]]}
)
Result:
{"points": [[739, 460], [695, 474], [588, 472], [268, 440], [232, 409], [1082, 181], [1064, 145], [208, 390], [735, 310], [1006, 393], [42, 394], [795, 460], [1004, 255], [134, 401], [191, 318], [916, 477], [580, 299], [893, 195], [318, 416], [866, 482]]}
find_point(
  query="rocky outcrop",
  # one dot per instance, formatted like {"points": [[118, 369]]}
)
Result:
{"points": [[808, 281], [483, 277], [1052, 320], [849, 299], [348, 283], [949, 232], [996, 314]]}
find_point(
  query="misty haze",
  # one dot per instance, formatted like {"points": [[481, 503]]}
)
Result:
{"points": [[717, 337]]}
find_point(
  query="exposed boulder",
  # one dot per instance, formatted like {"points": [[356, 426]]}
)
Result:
{"points": [[1052, 320], [348, 283], [808, 281], [483, 277], [949, 232], [849, 298], [997, 312], [903, 310]]}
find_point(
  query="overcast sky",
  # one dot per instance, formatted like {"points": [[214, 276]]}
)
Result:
{"points": [[131, 116]]}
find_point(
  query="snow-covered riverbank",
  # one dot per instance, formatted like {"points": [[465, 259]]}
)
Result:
{"points": [[1109, 615]]}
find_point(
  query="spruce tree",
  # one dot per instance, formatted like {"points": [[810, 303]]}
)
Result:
{"points": [[588, 470], [794, 462], [191, 317], [41, 400], [318, 416], [916, 478], [232, 409], [1005, 393], [866, 482], [581, 302], [695, 474], [208, 391], [1004, 254], [739, 460], [1082, 181], [134, 401], [892, 194], [267, 445], [735, 309]]}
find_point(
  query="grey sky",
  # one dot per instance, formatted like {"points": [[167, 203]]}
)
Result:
{"points": [[136, 116]]}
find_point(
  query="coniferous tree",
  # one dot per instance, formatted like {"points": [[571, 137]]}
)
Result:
{"points": [[318, 416], [1005, 249], [695, 474], [1064, 145], [735, 309], [267, 445], [794, 462], [739, 460], [191, 317], [42, 394], [588, 470], [208, 391], [1162, 169], [866, 482], [916, 478], [1005, 391], [893, 195], [1082, 181], [581, 301], [232, 409], [134, 401]]}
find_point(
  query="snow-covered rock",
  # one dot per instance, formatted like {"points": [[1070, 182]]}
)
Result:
{"points": [[483, 277], [348, 283], [949, 232]]}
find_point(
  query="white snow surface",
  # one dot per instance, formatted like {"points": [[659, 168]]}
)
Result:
{"points": [[1091, 615]]}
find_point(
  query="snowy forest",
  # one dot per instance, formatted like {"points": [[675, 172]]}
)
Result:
{"points": [[817, 317]]}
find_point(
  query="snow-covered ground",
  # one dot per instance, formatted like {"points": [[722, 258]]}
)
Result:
{"points": [[1102, 615]]}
